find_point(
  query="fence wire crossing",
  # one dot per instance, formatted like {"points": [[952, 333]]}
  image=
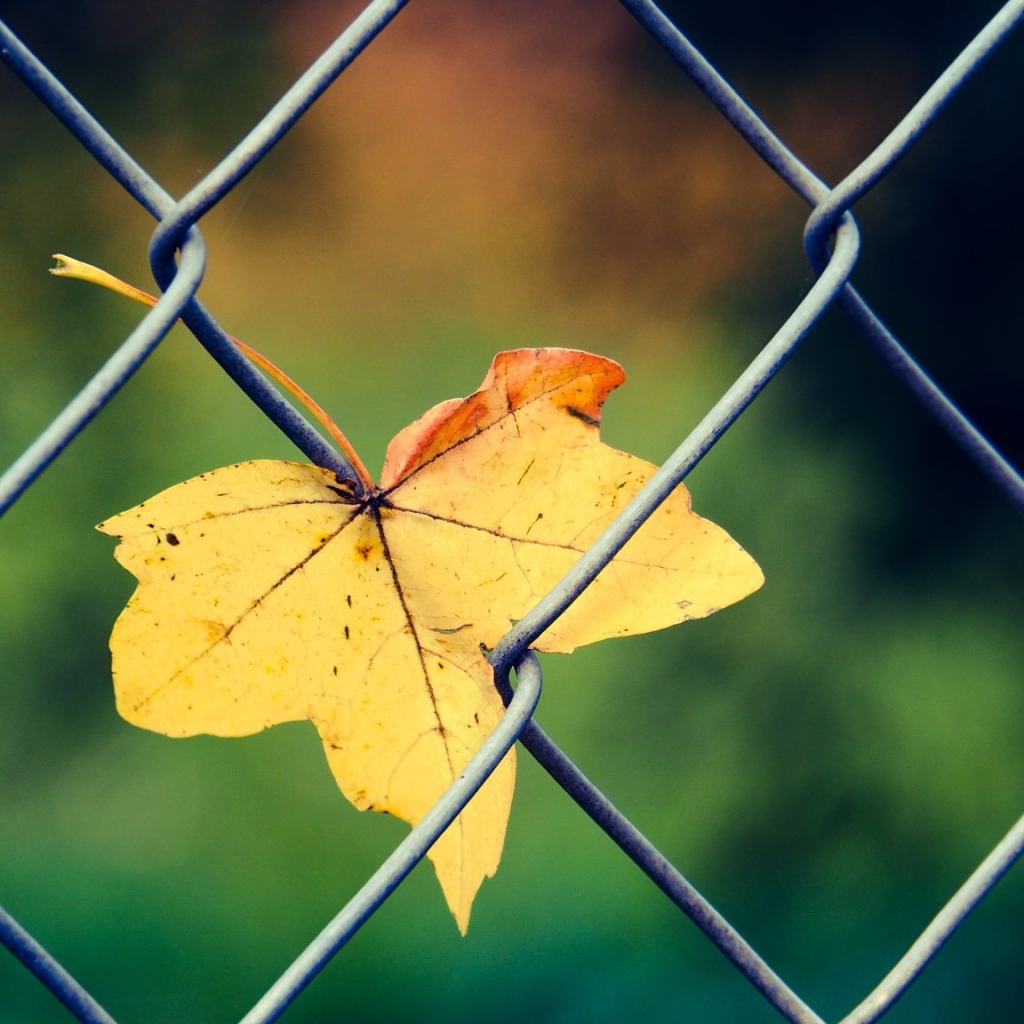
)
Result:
{"points": [[832, 241]]}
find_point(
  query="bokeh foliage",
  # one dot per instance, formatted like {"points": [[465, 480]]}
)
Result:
{"points": [[826, 761]]}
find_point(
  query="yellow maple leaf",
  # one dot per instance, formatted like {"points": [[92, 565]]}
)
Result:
{"points": [[270, 592]]}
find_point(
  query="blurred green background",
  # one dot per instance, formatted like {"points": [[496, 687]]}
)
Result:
{"points": [[826, 761]]}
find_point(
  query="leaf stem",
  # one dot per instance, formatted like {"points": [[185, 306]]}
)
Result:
{"points": [[68, 266]]}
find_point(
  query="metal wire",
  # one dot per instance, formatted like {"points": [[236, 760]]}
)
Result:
{"points": [[46, 968], [831, 206], [133, 351], [410, 851], [178, 260]]}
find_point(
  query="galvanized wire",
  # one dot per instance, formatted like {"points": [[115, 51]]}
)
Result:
{"points": [[45, 967], [179, 302], [178, 260], [830, 205], [410, 851]]}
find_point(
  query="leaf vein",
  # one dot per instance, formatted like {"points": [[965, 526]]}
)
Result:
{"points": [[226, 635]]}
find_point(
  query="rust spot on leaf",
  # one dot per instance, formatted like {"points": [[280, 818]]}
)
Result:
{"points": [[215, 630]]}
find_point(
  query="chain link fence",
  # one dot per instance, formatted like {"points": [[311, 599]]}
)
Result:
{"points": [[832, 242]]}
